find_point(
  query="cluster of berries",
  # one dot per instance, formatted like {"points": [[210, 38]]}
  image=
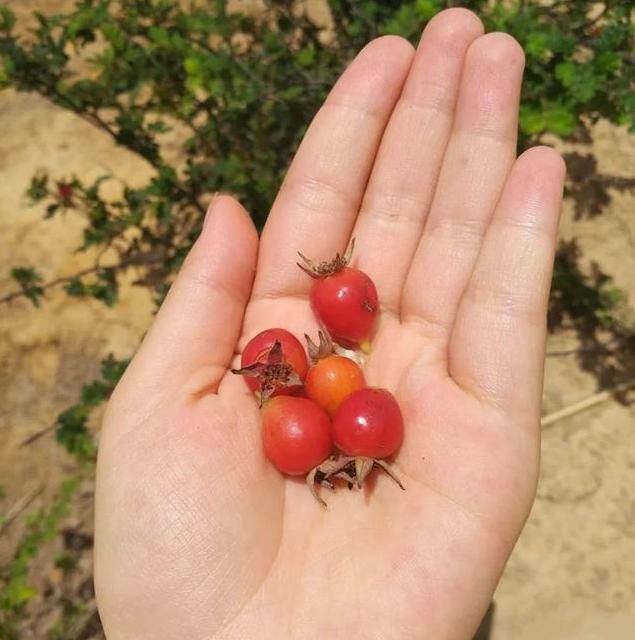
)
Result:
{"points": [[311, 411]]}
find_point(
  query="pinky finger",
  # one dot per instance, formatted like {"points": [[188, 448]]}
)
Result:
{"points": [[497, 345]]}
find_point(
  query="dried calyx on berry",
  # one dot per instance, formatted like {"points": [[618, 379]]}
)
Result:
{"points": [[273, 374], [326, 268], [323, 349], [352, 470], [344, 299]]}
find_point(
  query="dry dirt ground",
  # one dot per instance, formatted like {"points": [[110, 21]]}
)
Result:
{"points": [[572, 575]]}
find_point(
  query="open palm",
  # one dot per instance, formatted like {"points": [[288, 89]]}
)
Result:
{"points": [[197, 536]]}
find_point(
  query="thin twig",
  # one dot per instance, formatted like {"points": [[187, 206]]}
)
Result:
{"points": [[53, 283], [577, 407], [124, 264], [38, 434], [22, 504]]}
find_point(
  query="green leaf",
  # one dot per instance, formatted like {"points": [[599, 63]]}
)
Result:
{"points": [[291, 93], [51, 210], [159, 35], [112, 369], [537, 45], [72, 432], [579, 79], [608, 61], [559, 120], [75, 288], [7, 19], [16, 594], [66, 563], [428, 8], [158, 127], [565, 72], [306, 57], [28, 279], [38, 189], [532, 120], [95, 393]]}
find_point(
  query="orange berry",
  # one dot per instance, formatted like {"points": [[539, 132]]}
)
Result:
{"points": [[331, 380]]}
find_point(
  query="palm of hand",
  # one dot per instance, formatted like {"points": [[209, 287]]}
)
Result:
{"points": [[197, 535]]}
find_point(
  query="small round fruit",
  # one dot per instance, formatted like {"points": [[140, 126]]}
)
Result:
{"points": [[344, 299], [296, 434], [346, 305], [369, 424], [331, 380], [258, 350], [65, 192]]}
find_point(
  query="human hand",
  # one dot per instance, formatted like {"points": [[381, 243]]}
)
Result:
{"points": [[197, 536]]}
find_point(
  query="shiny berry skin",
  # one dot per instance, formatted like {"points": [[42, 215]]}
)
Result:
{"points": [[369, 424], [331, 380], [259, 347], [343, 299], [346, 304], [296, 434]]}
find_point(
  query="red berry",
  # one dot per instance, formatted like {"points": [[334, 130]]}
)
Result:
{"points": [[65, 191], [369, 424], [274, 359], [346, 305], [343, 299], [296, 434]]}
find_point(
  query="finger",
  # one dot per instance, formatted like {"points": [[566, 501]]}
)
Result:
{"points": [[497, 345], [480, 154], [199, 322], [318, 202], [402, 182]]}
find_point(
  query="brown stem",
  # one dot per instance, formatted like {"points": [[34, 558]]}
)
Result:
{"points": [[124, 264], [573, 409], [38, 434], [22, 504], [96, 120]]}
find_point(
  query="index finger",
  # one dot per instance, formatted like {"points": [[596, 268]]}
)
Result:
{"points": [[321, 194]]}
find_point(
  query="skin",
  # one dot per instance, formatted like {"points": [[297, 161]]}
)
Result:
{"points": [[197, 536]]}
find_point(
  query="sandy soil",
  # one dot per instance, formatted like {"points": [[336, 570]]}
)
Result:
{"points": [[572, 575]]}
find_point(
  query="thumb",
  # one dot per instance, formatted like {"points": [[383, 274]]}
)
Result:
{"points": [[199, 322]]}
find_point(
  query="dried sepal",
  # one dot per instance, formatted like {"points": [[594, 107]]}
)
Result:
{"points": [[324, 349], [326, 268], [355, 355], [322, 474], [352, 470], [346, 477], [311, 481], [363, 466], [388, 470], [275, 353], [273, 374], [251, 371]]}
